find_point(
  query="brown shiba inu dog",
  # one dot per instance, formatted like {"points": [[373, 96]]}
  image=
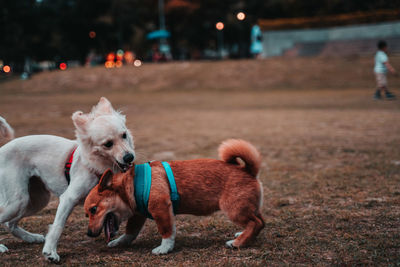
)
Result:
{"points": [[204, 186]]}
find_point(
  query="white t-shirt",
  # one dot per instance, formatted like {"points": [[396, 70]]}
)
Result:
{"points": [[380, 58]]}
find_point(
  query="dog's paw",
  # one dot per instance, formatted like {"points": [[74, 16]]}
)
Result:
{"points": [[123, 240], [162, 250], [51, 256], [34, 238], [238, 234], [3, 249], [229, 244]]}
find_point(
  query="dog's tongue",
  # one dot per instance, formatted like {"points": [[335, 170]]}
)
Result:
{"points": [[108, 228]]}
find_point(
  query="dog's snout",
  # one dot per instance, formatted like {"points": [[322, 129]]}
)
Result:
{"points": [[90, 233], [128, 158]]}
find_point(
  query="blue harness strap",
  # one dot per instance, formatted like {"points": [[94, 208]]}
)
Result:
{"points": [[172, 185], [142, 183]]}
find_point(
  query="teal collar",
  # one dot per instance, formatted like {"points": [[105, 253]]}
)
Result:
{"points": [[142, 184]]}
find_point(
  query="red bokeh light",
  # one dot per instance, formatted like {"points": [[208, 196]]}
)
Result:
{"points": [[92, 34], [110, 56], [63, 66], [6, 69]]}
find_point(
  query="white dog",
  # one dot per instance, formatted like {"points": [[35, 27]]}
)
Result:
{"points": [[6, 132], [33, 166]]}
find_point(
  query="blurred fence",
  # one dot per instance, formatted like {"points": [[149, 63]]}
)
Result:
{"points": [[335, 41]]}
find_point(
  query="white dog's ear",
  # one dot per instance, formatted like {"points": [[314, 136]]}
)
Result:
{"points": [[103, 107], [105, 180], [80, 120]]}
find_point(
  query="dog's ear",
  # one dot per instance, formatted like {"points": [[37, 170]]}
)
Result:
{"points": [[80, 120], [105, 180], [103, 107]]}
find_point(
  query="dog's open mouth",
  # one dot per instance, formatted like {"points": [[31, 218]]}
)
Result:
{"points": [[110, 226], [123, 167]]}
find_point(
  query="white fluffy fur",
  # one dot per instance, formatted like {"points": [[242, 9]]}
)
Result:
{"points": [[167, 244], [37, 162]]}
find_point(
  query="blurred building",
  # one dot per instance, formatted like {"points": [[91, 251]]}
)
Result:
{"points": [[339, 35]]}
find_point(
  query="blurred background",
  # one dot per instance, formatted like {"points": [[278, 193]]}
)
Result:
{"points": [[293, 77], [41, 35]]}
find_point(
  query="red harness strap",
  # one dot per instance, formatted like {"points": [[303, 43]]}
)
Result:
{"points": [[68, 166]]}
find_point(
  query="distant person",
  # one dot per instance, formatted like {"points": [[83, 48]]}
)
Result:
{"points": [[256, 47], [382, 65]]}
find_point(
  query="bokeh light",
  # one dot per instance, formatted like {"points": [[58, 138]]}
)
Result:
{"points": [[6, 68], [63, 66], [110, 56], [240, 16], [219, 26], [92, 34], [129, 57], [137, 63], [120, 55], [109, 64]]}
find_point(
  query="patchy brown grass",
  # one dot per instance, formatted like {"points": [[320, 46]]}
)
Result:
{"points": [[331, 158]]}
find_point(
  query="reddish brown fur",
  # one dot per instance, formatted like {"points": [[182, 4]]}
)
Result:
{"points": [[204, 186], [232, 149]]}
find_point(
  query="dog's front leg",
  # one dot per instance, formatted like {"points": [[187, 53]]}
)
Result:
{"points": [[164, 218], [133, 227], [77, 190]]}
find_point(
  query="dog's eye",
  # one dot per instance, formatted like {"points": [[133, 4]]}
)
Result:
{"points": [[109, 144], [93, 210], [124, 135]]}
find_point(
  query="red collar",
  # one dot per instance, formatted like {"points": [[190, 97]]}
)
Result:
{"points": [[68, 166]]}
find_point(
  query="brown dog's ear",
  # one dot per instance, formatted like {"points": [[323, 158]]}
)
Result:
{"points": [[105, 180]]}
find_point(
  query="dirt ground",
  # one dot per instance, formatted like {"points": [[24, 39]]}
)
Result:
{"points": [[331, 157]]}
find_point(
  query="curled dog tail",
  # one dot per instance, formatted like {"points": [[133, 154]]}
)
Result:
{"points": [[6, 132], [232, 149]]}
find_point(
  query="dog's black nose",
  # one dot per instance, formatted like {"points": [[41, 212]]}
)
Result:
{"points": [[128, 158], [90, 233]]}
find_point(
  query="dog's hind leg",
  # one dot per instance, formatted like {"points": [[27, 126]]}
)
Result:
{"points": [[23, 234], [2, 247], [253, 225], [38, 199], [11, 209], [11, 212], [243, 210], [3, 218]]}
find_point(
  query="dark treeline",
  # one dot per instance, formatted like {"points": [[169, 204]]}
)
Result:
{"points": [[59, 29]]}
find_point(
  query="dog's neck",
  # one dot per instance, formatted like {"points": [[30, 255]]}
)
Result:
{"points": [[127, 190], [94, 163]]}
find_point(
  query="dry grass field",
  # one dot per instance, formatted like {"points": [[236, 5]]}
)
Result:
{"points": [[331, 156]]}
